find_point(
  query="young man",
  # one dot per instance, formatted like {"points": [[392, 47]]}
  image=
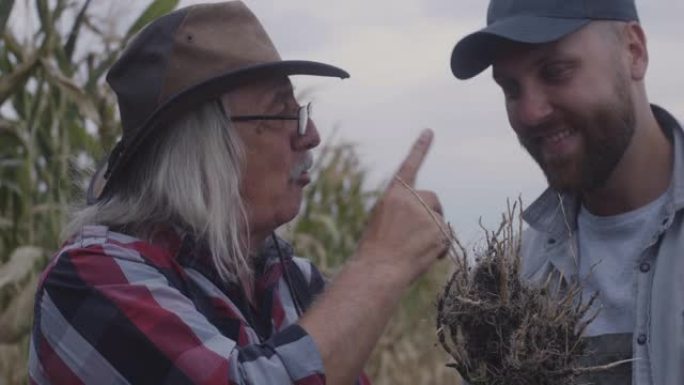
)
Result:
{"points": [[572, 73], [172, 274]]}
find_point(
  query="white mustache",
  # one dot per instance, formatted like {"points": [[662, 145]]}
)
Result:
{"points": [[304, 165]]}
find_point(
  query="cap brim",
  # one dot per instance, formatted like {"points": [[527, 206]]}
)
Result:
{"points": [[195, 96], [475, 52]]}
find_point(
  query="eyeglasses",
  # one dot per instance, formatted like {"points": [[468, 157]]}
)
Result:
{"points": [[302, 118]]}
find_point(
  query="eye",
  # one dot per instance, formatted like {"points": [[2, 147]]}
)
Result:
{"points": [[556, 72], [289, 108]]}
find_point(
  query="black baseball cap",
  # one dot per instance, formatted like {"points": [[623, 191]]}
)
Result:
{"points": [[533, 22]]}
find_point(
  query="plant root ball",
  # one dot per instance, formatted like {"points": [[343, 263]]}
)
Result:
{"points": [[501, 330]]}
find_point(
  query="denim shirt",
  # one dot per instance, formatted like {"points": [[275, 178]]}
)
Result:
{"points": [[657, 344]]}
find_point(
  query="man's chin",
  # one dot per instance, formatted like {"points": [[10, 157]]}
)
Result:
{"points": [[563, 181], [565, 188]]}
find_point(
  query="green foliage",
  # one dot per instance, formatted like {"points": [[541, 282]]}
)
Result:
{"points": [[15, 275], [44, 124], [56, 116], [5, 10], [335, 212], [154, 10]]}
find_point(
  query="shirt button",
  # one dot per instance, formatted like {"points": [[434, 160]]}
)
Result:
{"points": [[642, 339], [645, 267], [551, 241]]}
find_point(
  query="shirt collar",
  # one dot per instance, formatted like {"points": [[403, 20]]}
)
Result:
{"points": [[195, 255], [556, 214]]}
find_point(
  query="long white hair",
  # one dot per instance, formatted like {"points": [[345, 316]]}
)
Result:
{"points": [[187, 177]]}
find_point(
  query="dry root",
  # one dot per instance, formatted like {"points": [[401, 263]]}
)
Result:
{"points": [[503, 331]]}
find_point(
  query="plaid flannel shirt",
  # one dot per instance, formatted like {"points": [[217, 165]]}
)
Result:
{"points": [[112, 309]]}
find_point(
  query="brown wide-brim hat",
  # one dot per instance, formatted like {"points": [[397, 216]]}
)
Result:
{"points": [[181, 61]]}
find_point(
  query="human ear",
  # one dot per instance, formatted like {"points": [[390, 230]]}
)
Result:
{"points": [[635, 40]]}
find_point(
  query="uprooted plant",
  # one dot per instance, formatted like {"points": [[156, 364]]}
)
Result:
{"points": [[501, 330]]}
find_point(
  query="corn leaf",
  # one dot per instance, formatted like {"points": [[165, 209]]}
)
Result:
{"points": [[15, 80], [75, 29], [11, 44], [45, 16], [5, 10], [8, 128], [156, 9], [20, 265], [6, 65], [63, 61], [15, 320], [82, 101], [13, 364], [10, 186], [96, 73]]}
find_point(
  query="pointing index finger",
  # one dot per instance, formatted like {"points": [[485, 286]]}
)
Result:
{"points": [[409, 167]]}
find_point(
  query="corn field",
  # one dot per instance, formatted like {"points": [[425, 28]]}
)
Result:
{"points": [[56, 119], [327, 231]]}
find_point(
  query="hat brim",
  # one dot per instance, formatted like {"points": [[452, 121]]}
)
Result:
{"points": [[193, 97], [475, 52]]}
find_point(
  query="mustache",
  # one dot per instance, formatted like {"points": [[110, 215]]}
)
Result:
{"points": [[302, 166]]}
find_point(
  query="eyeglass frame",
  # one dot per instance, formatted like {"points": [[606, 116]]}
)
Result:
{"points": [[302, 118]]}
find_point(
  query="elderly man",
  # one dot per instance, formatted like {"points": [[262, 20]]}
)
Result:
{"points": [[572, 74], [172, 274]]}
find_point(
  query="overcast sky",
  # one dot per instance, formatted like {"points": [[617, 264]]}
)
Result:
{"points": [[397, 52], [398, 55]]}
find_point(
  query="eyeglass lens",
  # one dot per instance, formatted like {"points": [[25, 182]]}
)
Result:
{"points": [[304, 116]]}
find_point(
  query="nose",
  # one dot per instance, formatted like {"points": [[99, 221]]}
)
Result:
{"points": [[531, 108], [309, 140]]}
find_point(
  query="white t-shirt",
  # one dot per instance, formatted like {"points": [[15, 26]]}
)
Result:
{"points": [[609, 251]]}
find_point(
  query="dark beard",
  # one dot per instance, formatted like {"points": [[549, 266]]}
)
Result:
{"points": [[606, 132]]}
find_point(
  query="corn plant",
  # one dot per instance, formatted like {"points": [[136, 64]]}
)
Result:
{"points": [[335, 208], [56, 116], [335, 211]]}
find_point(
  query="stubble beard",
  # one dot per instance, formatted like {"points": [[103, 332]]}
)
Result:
{"points": [[605, 132]]}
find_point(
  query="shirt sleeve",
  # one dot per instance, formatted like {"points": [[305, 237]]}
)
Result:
{"points": [[106, 316], [315, 283], [308, 280]]}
